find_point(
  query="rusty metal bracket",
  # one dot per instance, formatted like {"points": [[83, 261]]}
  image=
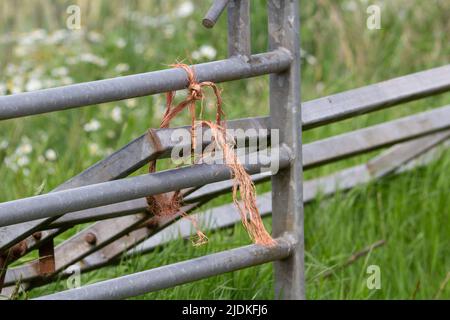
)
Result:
{"points": [[47, 258]]}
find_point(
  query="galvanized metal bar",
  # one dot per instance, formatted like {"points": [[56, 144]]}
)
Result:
{"points": [[400, 154], [96, 92], [239, 35], [286, 116], [214, 13], [179, 273], [139, 205], [163, 231], [378, 136], [59, 203], [376, 97]]}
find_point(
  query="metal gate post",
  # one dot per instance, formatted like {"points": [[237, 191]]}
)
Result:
{"points": [[285, 115]]}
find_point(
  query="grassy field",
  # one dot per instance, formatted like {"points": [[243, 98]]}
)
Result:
{"points": [[411, 212]]}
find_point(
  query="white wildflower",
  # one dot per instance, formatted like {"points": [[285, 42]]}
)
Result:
{"points": [[33, 85], [11, 164], [196, 55], [26, 172], [116, 114], [50, 83], [22, 161], [185, 9], [208, 52], [111, 134], [95, 37], [311, 59], [21, 51], [66, 81], [57, 37], [92, 58], [72, 60], [122, 67], [131, 103], [94, 149], [33, 37], [139, 48], [60, 72], [320, 87], [169, 31], [17, 84], [24, 149], [2, 88], [4, 144], [121, 43], [350, 5], [92, 126], [50, 155]]}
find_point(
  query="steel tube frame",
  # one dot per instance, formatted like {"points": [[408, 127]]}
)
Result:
{"points": [[286, 116], [96, 92], [314, 113], [221, 217], [239, 41], [283, 16], [180, 273]]}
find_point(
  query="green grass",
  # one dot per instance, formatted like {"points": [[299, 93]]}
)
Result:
{"points": [[411, 212]]}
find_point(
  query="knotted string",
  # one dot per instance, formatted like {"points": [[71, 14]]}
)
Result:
{"points": [[170, 203]]}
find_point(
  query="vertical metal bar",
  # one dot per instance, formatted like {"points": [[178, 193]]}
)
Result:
{"points": [[239, 43], [285, 113]]}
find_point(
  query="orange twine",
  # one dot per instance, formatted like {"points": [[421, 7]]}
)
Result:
{"points": [[170, 203]]}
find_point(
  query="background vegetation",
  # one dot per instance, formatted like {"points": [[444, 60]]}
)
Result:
{"points": [[411, 212]]}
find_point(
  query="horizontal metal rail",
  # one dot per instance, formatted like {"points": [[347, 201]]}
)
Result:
{"points": [[61, 202], [314, 113], [139, 205], [376, 96], [374, 137], [179, 273], [316, 153], [96, 92]]}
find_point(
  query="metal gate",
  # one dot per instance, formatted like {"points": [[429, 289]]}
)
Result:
{"points": [[116, 204]]}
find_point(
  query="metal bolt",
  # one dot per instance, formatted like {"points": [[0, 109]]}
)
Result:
{"points": [[152, 224], [91, 238], [37, 235]]}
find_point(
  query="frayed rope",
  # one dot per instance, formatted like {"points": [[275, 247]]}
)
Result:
{"points": [[169, 204]]}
